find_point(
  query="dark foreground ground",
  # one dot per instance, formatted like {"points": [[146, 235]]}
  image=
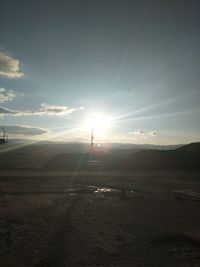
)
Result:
{"points": [[52, 219]]}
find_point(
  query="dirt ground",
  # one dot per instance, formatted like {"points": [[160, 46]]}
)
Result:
{"points": [[100, 219]]}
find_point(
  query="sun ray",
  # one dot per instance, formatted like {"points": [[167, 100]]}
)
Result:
{"points": [[47, 137], [153, 106], [172, 114]]}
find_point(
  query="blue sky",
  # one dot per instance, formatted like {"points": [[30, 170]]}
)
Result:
{"points": [[136, 62]]}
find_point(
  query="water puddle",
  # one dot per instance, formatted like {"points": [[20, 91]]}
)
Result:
{"points": [[123, 194], [103, 192]]}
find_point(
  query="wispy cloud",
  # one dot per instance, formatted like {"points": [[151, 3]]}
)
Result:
{"points": [[6, 111], [47, 109], [43, 110], [24, 130], [6, 95], [9, 66], [143, 133]]}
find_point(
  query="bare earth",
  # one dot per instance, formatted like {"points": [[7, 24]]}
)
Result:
{"points": [[100, 218]]}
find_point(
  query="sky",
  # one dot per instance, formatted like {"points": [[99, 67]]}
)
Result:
{"points": [[134, 63]]}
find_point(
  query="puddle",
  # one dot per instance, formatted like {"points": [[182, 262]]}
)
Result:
{"points": [[105, 190], [123, 194]]}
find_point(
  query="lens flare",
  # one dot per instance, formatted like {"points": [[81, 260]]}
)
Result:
{"points": [[99, 123]]}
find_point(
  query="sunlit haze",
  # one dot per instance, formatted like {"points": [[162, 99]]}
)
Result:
{"points": [[98, 122], [128, 69]]}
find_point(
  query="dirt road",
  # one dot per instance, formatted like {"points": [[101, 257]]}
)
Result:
{"points": [[100, 219]]}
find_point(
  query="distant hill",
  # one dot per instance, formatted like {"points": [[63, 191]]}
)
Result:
{"points": [[142, 146], [124, 157], [79, 146], [190, 147], [184, 157]]}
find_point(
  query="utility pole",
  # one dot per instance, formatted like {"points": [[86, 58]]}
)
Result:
{"points": [[92, 140], [4, 138], [4, 133]]}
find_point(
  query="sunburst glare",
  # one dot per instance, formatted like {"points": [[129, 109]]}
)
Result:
{"points": [[98, 122]]}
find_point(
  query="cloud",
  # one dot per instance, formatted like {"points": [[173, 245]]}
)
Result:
{"points": [[47, 109], [43, 110], [6, 95], [9, 67], [5, 111], [143, 133], [24, 130]]}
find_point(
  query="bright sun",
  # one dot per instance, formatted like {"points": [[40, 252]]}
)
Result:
{"points": [[99, 123]]}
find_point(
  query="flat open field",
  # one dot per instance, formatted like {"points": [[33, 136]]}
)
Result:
{"points": [[87, 218]]}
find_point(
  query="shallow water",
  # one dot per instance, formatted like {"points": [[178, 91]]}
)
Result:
{"points": [[105, 190]]}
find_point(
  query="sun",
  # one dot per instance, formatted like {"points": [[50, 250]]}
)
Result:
{"points": [[98, 122]]}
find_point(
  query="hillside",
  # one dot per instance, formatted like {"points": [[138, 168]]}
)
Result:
{"points": [[172, 159], [70, 156], [190, 147]]}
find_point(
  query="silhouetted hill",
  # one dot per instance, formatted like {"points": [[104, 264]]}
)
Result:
{"points": [[171, 159], [114, 160], [190, 147], [80, 146], [71, 156], [121, 146]]}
